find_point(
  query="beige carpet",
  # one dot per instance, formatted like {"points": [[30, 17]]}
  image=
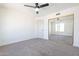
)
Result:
{"points": [[38, 47], [62, 38]]}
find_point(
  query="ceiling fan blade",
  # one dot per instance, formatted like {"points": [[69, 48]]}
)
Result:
{"points": [[29, 6], [44, 5]]}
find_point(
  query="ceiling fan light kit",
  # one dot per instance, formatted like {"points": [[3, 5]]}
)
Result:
{"points": [[37, 10], [37, 6]]}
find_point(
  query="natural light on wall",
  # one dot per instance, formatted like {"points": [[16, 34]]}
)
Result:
{"points": [[59, 27]]}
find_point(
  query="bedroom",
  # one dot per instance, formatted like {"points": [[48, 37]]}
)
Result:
{"points": [[23, 32]]}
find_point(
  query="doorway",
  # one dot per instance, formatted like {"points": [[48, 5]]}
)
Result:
{"points": [[61, 29]]}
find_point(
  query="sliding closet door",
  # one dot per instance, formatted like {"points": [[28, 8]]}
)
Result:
{"points": [[61, 28], [68, 25], [52, 26]]}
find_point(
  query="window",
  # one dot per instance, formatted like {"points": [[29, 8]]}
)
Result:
{"points": [[59, 27]]}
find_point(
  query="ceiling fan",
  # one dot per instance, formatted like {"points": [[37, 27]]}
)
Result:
{"points": [[37, 6]]}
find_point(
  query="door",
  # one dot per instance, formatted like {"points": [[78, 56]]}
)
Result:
{"points": [[62, 28]]}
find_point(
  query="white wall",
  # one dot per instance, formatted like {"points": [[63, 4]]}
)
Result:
{"points": [[43, 32], [76, 27], [39, 28], [75, 11], [16, 24]]}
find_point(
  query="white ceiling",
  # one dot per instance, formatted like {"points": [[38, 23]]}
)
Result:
{"points": [[53, 7]]}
